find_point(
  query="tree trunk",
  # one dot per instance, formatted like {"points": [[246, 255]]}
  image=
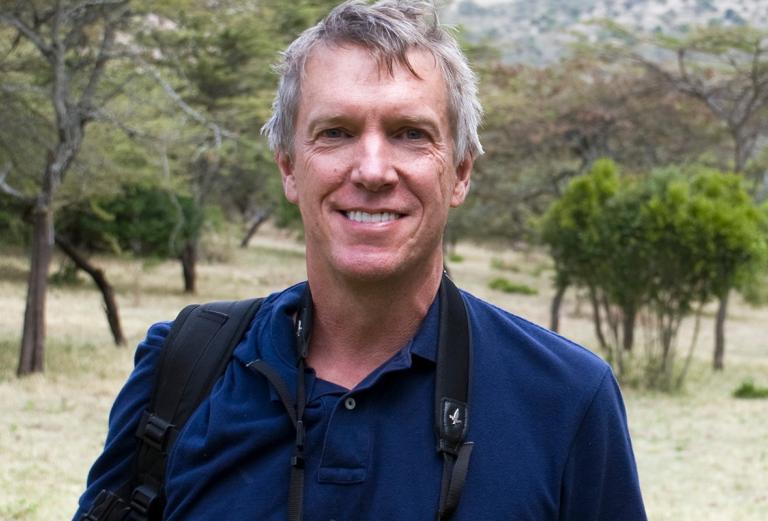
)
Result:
{"points": [[32, 352], [596, 318], [554, 310], [188, 260], [259, 219], [629, 329], [718, 362], [100, 279]]}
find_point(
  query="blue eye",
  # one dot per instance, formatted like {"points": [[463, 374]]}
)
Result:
{"points": [[333, 133], [414, 134]]}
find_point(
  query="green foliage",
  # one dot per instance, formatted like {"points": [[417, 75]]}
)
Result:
{"points": [[146, 221], [68, 274], [455, 257], [13, 229], [749, 390], [661, 244], [573, 228], [507, 286]]}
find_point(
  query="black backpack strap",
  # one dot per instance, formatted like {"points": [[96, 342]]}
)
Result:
{"points": [[195, 354], [454, 370]]}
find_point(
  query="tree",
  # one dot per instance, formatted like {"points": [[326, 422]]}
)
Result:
{"points": [[74, 42], [726, 70], [662, 244], [216, 66], [545, 126], [572, 227]]}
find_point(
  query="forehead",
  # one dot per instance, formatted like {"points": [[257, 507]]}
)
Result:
{"points": [[347, 74]]}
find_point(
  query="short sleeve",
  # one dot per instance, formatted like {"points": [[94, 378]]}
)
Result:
{"points": [[113, 467], [600, 482]]}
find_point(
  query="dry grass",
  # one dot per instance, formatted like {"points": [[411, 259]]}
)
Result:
{"points": [[703, 455]]}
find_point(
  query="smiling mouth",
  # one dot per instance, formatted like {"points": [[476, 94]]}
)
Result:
{"points": [[365, 217]]}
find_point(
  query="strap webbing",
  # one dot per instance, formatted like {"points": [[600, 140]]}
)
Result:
{"points": [[295, 412], [454, 369]]}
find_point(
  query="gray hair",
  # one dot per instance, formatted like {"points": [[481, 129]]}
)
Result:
{"points": [[388, 29]]}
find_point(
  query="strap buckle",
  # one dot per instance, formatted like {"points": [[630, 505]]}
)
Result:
{"points": [[143, 499], [154, 431], [107, 506]]}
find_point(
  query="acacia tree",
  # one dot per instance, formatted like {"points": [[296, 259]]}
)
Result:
{"points": [[74, 41], [545, 126], [725, 69]]}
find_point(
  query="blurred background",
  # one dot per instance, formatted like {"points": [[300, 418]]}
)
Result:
{"points": [[621, 201]]}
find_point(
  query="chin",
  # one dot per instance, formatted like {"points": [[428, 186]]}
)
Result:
{"points": [[379, 266], [369, 266]]}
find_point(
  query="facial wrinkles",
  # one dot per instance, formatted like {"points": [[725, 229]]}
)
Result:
{"points": [[370, 107]]}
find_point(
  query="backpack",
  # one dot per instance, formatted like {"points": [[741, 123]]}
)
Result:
{"points": [[196, 353]]}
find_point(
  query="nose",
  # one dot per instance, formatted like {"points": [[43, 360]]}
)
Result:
{"points": [[373, 166]]}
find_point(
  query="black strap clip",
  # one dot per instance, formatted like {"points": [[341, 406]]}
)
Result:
{"points": [[154, 431], [143, 500], [106, 507]]}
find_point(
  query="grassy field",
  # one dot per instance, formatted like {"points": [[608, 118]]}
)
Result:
{"points": [[703, 455]]}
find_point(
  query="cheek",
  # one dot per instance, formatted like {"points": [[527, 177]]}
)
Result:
{"points": [[317, 178]]}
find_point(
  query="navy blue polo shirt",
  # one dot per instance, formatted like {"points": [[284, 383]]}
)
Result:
{"points": [[546, 418]]}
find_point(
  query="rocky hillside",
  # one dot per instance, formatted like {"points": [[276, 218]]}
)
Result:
{"points": [[538, 30]]}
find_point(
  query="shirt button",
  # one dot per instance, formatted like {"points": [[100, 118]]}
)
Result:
{"points": [[350, 403]]}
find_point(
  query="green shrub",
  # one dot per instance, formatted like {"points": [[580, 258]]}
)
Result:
{"points": [[749, 390], [145, 221], [455, 257], [507, 286], [659, 245], [68, 274]]}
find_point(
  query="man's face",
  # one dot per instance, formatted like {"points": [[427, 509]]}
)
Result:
{"points": [[372, 168]]}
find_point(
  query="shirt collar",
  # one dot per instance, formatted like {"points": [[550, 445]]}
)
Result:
{"points": [[272, 337]]}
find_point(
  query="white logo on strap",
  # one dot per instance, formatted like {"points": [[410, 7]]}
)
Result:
{"points": [[455, 420]]}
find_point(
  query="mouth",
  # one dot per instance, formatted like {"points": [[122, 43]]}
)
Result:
{"points": [[365, 217]]}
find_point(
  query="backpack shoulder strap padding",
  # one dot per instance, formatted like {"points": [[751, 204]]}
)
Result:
{"points": [[195, 354]]}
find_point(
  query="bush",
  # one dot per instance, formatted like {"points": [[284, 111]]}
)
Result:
{"points": [[749, 390], [507, 286], [146, 221], [660, 245]]}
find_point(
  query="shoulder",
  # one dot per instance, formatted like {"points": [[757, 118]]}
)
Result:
{"points": [[533, 360], [509, 332]]}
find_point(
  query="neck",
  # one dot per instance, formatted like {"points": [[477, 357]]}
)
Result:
{"points": [[359, 325]]}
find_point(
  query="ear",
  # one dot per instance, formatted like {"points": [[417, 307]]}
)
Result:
{"points": [[462, 181], [285, 164]]}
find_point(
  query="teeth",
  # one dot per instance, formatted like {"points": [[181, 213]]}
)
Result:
{"points": [[364, 217]]}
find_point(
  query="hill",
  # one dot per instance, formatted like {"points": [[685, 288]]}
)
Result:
{"points": [[539, 32]]}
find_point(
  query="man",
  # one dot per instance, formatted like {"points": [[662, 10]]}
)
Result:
{"points": [[375, 133]]}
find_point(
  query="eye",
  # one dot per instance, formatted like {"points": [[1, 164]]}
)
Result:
{"points": [[414, 134], [334, 133]]}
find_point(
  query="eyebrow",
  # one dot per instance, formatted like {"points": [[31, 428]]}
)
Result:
{"points": [[334, 120], [326, 121], [419, 122]]}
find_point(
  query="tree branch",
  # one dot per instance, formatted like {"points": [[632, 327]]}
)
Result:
{"points": [[29, 33], [86, 97], [91, 3], [8, 189], [130, 131], [218, 132]]}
